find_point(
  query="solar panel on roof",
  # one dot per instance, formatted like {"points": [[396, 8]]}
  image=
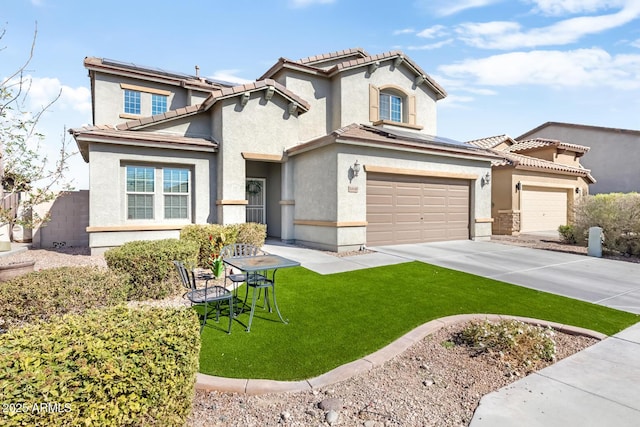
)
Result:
{"points": [[161, 71], [423, 137]]}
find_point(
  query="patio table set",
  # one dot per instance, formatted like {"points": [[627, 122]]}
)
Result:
{"points": [[243, 264]]}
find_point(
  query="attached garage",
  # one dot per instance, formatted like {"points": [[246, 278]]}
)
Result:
{"points": [[543, 209], [413, 209]]}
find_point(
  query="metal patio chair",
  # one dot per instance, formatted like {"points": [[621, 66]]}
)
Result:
{"points": [[209, 295]]}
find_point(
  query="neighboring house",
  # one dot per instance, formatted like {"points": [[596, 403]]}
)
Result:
{"points": [[614, 156], [334, 151], [536, 184]]}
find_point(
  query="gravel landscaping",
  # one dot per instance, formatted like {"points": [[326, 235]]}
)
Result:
{"points": [[430, 384]]}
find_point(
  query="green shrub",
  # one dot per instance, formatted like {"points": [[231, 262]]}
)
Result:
{"points": [[568, 233], [619, 216], [518, 344], [42, 294], [110, 367], [148, 263], [221, 235], [252, 233]]}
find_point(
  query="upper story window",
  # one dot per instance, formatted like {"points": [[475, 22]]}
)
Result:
{"points": [[158, 104], [394, 105], [390, 107], [131, 101], [151, 189], [144, 101]]}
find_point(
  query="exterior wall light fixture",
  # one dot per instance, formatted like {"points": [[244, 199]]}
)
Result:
{"points": [[518, 186], [486, 179], [356, 168]]}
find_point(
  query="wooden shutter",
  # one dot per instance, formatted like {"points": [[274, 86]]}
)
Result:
{"points": [[374, 101], [412, 109]]}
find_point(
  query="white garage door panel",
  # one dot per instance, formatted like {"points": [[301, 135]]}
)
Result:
{"points": [[543, 209], [405, 209]]}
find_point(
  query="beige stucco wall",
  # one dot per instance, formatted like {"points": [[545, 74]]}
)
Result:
{"points": [[324, 193], [613, 158], [107, 188], [111, 98], [317, 92], [354, 93], [506, 200], [261, 127]]}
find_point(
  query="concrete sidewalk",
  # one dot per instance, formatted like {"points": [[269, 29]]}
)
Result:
{"points": [[599, 386]]}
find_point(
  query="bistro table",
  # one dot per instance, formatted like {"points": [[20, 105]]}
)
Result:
{"points": [[255, 268]]}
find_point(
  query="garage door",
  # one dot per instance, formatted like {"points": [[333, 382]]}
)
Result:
{"points": [[543, 209], [406, 209]]}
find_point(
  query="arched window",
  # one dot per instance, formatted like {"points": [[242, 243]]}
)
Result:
{"points": [[391, 106], [391, 103]]}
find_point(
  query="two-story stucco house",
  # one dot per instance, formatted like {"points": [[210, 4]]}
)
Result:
{"points": [[614, 155], [335, 151], [536, 183]]}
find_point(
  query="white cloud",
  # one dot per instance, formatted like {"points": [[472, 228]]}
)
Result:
{"points": [[229, 76], [404, 31], [563, 7], [432, 45], [432, 32], [451, 7], [577, 68], [305, 3], [43, 90], [456, 101], [509, 35], [635, 43]]}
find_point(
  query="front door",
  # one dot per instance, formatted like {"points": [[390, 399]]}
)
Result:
{"points": [[256, 197]]}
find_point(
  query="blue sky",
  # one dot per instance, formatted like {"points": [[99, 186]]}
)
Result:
{"points": [[507, 65]]}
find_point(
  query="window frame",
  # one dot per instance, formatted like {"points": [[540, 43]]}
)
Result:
{"points": [[154, 104], [390, 116], [132, 102], [159, 194]]}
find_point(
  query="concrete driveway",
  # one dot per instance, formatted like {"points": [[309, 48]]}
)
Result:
{"points": [[611, 283]]}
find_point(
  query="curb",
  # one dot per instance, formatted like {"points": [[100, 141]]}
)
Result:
{"points": [[348, 370]]}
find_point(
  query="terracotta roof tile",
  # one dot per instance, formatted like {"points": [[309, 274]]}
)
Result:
{"points": [[513, 159], [491, 141], [531, 144], [331, 55]]}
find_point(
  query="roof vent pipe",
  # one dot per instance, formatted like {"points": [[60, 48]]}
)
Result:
{"points": [[197, 71]]}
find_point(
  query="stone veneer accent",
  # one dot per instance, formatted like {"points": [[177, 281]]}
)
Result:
{"points": [[507, 222]]}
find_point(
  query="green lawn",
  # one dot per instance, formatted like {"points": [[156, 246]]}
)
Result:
{"points": [[338, 318]]}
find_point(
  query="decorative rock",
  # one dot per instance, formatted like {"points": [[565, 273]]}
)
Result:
{"points": [[370, 423], [428, 382], [285, 415], [332, 417], [331, 404]]}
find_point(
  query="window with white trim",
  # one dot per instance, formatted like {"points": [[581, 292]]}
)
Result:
{"points": [[390, 107], [153, 189]]}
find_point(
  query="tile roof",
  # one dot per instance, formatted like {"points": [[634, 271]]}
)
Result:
{"points": [[492, 141], [527, 162], [532, 144], [357, 51], [112, 134], [215, 96], [382, 137], [306, 65], [169, 77]]}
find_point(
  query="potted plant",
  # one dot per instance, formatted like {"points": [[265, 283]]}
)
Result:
{"points": [[215, 261]]}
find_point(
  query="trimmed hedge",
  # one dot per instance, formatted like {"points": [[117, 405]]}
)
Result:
{"points": [[148, 263], [42, 294], [250, 233], [110, 367]]}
